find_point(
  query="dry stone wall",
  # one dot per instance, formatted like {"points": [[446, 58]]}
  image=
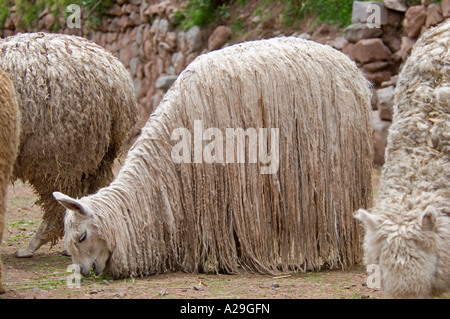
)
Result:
{"points": [[381, 52], [143, 35]]}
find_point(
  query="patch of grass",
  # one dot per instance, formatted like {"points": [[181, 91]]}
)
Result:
{"points": [[96, 9], [196, 12], [5, 10], [50, 274], [21, 226], [19, 202], [29, 10], [314, 277], [338, 12], [41, 284], [238, 25], [202, 12], [15, 238]]}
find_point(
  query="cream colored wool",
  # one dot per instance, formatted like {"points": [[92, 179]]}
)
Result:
{"points": [[9, 145], [408, 232], [160, 216], [78, 107]]}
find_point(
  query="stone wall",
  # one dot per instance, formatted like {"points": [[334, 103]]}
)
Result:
{"points": [[143, 35], [381, 52]]}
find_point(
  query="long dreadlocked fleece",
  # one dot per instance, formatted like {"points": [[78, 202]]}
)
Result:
{"points": [[78, 107], [159, 215]]}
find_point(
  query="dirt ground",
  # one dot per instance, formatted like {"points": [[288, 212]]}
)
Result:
{"points": [[45, 275]]}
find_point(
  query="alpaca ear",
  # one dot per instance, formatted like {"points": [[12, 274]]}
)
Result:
{"points": [[429, 218], [370, 221], [72, 204]]}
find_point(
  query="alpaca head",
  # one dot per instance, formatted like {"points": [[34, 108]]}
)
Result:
{"points": [[82, 239], [404, 249]]}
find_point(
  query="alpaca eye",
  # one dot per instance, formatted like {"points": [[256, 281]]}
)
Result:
{"points": [[82, 237]]}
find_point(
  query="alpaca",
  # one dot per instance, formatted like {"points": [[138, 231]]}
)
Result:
{"points": [[78, 107], [186, 201], [9, 145], [408, 230]]}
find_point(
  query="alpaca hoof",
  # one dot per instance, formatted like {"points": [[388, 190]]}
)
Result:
{"points": [[23, 254]]}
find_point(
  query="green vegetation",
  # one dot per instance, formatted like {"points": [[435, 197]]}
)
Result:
{"points": [[96, 9], [337, 12], [29, 10], [195, 12], [204, 12], [201, 13], [4, 10]]}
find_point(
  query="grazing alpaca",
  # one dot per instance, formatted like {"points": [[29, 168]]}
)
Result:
{"points": [[282, 201], [408, 231], [78, 107]]}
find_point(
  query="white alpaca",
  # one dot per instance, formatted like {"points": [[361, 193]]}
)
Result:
{"points": [[408, 231], [193, 215]]}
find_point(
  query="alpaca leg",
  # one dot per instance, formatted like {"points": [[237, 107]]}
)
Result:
{"points": [[2, 289], [36, 242], [2, 227]]}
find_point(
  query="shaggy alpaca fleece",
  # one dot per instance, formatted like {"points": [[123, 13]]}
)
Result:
{"points": [[78, 107], [160, 216], [9, 144], [408, 232]]}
